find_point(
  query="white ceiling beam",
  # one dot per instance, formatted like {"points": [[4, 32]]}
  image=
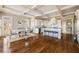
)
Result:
{"points": [[7, 9], [30, 8], [10, 10], [18, 10], [57, 9], [42, 13], [61, 9], [39, 11], [60, 12], [34, 6]]}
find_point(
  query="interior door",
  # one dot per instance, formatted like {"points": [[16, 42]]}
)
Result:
{"points": [[69, 26]]}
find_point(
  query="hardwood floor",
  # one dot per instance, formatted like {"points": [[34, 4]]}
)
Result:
{"points": [[44, 44], [1, 44]]}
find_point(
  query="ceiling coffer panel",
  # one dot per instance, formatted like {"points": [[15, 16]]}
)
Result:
{"points": [[46, 8], [41, 18], [38, 11], [19, 8]]}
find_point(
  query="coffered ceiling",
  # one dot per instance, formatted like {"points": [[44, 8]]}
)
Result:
{"points": [[44, 11]]}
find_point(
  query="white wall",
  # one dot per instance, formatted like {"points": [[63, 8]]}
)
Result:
{"points": [[20, 22], [64, 27], [36, 23], [77, 31], [52, 23], [15, 27]]}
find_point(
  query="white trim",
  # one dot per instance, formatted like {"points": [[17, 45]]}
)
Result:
{"points": [[57, 9], [12, 11], [30, 8]]}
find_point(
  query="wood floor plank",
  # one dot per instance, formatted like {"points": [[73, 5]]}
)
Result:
{"points": [[44, 44]]}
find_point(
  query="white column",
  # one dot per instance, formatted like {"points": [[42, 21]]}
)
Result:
{"points": [[77, 27], [6, 44]]}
